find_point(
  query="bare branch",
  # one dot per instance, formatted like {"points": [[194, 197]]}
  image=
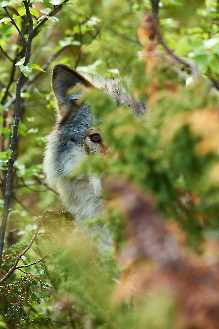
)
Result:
{"points": [[11, 79], [14, 24], [14, 267], [4, 53]]}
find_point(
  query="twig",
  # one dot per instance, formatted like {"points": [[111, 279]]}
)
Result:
{"points": [[47, 64], [14, 24], [11, 79], [31, 264], [45, 19], [155, 12], [14, 267], [5, 54], [42, 182], [29, 187], [125, 37], [7, 93], [23, 206], [53, 57], [78, 59], [190, 66], [19, 269], [38, 75]]}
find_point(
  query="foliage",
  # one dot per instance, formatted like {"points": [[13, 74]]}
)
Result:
{"points": [[169, 61]]}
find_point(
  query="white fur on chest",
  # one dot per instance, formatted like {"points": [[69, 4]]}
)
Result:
{"points": [[80, 195]]}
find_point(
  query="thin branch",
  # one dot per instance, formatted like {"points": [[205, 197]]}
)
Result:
{"points": [[7, 93], [53, 57], [188, 65], [14, 267], [11, 79], [47, 64], [19, 269], [4, 53], [38, 75], [42, 182], [125, 37], [31, 264], [14, 24], [45, 19], [78, 59], [30, 188], [23, 206]]}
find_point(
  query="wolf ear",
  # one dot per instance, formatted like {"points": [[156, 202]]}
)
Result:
{"points": [[63, 79]]}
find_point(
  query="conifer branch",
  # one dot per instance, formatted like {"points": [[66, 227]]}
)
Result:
{"points": [[14, 267]]}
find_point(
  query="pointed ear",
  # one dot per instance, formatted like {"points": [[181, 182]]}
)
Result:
{"points": [[63, 79]]}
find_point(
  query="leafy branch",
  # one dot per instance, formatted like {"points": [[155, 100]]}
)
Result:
{"points": [[55, 10], [8, 189], [170, 52], [23, 252], [31, 32], [160, 38], [14, 24]]}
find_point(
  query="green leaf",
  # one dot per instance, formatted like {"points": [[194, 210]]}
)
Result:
{"points": [[26, 70], [21, 11], [53, 19], [35, 12], [2, 324], [4, 155], [36, 67], [21, 62], [55, 2], [4, 20], [4, 4]]}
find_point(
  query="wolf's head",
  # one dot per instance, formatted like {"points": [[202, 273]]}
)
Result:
{"points": [[73, 136]]}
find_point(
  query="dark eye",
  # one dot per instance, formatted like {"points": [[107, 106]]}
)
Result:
{"points": [[96, 138]]}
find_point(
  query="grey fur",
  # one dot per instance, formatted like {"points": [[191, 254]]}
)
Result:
{"points": [[66, 149]]}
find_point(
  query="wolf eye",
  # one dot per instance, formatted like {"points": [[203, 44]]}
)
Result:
{"points": [[96, 138]]}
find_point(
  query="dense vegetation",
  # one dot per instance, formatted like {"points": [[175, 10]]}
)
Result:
{"points": [[160, 175]]}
